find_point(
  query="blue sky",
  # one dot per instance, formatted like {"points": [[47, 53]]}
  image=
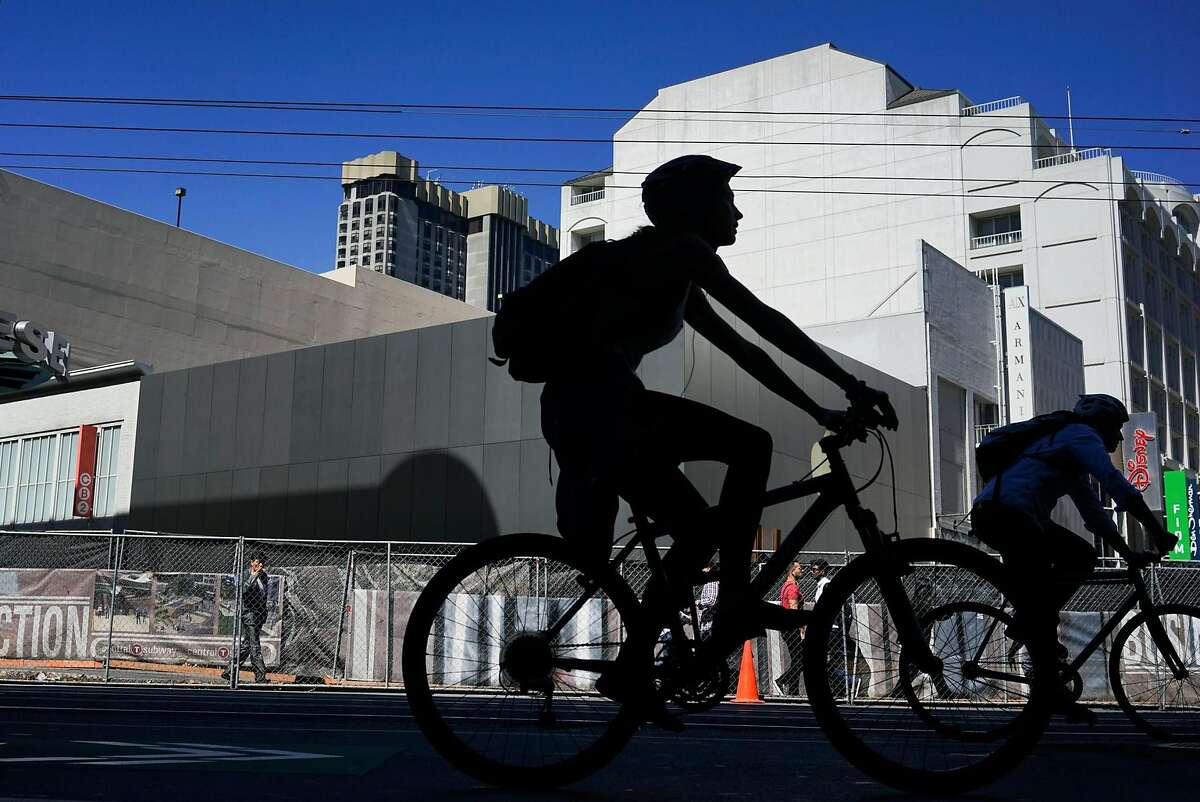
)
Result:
{"points": [[614, 53]]}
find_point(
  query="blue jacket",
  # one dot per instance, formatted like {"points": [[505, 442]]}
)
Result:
{"points": [[1058, 465]]}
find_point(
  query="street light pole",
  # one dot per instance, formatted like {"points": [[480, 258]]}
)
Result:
{"points": [[180, 192]]}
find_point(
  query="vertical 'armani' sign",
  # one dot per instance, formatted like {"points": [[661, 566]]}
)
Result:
{"points": [[1017, 354]]}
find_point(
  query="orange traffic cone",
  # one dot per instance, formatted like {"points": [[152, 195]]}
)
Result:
{"points": [[747, 689]]}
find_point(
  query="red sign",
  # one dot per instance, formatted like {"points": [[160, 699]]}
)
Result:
{"points": [[85, 473], [1137, 469]]}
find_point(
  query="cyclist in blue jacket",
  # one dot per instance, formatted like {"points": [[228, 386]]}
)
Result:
{"points": [[1012, 513]]}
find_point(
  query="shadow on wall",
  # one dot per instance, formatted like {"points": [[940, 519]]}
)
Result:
{"points": [[426, 497]]}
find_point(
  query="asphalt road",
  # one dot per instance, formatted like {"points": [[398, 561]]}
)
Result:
{"points": [[174, 744]]}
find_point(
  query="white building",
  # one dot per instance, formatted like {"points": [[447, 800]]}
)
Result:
{"points": [[847, 169]]}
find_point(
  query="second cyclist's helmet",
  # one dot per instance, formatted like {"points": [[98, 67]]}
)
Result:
{"points": [[1101, 410]]}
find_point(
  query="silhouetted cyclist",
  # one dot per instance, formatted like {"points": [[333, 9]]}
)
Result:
{"points": [[1012, 514], [612, 436]]}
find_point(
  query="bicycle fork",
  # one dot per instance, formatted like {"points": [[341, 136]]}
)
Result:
{"points": [[1158, 633]]}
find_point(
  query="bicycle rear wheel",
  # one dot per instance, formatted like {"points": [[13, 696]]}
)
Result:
{"points": [[1157, 701], [981, 667], [500, 659], [853, 666]]}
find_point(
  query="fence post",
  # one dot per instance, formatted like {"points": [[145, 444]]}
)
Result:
{"points": [[337, 648], [112, 605], [387, 670], [846, 636], [235, 668]]}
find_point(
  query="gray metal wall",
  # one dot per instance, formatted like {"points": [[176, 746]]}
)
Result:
{"points": [[416, 436]]}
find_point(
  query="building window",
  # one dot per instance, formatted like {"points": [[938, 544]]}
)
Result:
{"points": [[342, 240], [356, 210], [1154, 357], [1172, 366], [366, 258], [1177, 431], [341, 253], [1138, 389], [1137, 351], [341, 263], [996, 229], [1158, 405], [37, 476], [107, 447], [1189, 378], [369, 206], [1193, 431], [343, 212], [354, 226], [342, 227]]}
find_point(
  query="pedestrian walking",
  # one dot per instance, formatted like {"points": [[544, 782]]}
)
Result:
{"points": [[792, 598], [254, 617]]}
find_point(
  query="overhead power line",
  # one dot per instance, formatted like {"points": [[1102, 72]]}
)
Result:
{"points": [[544, 139], [352, 106], [292, 176], [572, 171]]}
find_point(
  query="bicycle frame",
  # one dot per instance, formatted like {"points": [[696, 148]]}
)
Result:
{"points": [[833, 490], [1138, 597]]}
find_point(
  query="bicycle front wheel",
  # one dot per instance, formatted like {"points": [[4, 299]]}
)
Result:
{"points": [[856, 672], [500, 659], [1159, 700]]}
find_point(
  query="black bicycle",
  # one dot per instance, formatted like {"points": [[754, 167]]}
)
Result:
{"points": [[1153, 661], [504, 646]]}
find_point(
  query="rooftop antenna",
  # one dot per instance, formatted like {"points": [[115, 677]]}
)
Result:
{"points": [[1070, 120]]}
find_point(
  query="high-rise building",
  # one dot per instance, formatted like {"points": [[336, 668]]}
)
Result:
{"points": [[394, 222], [506, 248], [848, 164], [474, 246]]}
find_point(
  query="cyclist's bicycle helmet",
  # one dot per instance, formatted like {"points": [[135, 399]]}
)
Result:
{"points": [[682, 176], [1101, 410]]}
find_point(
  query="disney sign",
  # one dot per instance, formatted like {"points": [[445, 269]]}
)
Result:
{"points": [[1143, 466]]}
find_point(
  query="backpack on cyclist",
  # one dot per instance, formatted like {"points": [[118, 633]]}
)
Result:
{"points": [[1005, 445], [542, 326]]}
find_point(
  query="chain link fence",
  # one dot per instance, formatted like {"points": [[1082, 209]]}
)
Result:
{"points": [[147, 607]]}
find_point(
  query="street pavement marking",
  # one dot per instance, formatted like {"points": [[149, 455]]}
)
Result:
{"points": [[171, 752]]}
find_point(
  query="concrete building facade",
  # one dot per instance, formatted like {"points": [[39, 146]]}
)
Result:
{"points": [[396, 223], [472, 246], [120, 286], [506, 248], [846, 165]]}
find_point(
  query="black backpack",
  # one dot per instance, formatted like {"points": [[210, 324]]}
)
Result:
{"points": [[542, 327], [1005, 445]]}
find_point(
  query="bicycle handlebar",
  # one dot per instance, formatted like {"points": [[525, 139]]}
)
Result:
{"points": [[858, 419]]}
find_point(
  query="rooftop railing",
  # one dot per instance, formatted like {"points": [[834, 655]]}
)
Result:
{"points": [[992, 105], [587, 197], [1070, 156], [1158, 178], [992, 240]]}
